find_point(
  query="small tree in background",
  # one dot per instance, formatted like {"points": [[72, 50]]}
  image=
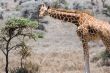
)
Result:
{"points": [[103, 3], [15, 0], [15, 28], [60, 3], [92, 2], [24, 53]]}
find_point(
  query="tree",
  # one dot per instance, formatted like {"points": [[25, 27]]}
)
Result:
{"points": [[14, 29], [24, 52], [60, 3], [15, 0], [103, 3], [92, 2]]}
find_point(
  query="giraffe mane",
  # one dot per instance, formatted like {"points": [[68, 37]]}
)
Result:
{"points": [[67, 11], [73, 11]]}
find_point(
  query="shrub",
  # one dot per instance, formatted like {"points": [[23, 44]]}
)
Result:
{"points": [[19, 70], [105, 55], [29, 9], [60, 4], [105, 58], [28, 68]]}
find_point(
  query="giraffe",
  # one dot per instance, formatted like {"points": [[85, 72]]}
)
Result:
{"points": [[88, 28]]}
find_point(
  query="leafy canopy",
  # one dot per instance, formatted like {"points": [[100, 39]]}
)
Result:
{"points": [[21, 22], [20, 27]]}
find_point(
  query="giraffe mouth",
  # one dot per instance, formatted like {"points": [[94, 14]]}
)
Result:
{"points": [[41, 16]]}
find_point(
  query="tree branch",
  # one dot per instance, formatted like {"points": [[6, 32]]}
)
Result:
{"points": [[3, 52], [16, 46], [4, 38]]}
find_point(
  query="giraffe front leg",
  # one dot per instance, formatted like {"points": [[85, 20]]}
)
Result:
{"points": [[82, 32], [86, 56]]}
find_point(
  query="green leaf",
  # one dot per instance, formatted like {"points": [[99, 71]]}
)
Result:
{"points": [[37, 35], [21, 22]]}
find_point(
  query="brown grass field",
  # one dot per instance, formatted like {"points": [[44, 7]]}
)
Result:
{"points": [[66, 62]]}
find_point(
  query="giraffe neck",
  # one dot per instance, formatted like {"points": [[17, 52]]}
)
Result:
{"points": [[64, 15]]}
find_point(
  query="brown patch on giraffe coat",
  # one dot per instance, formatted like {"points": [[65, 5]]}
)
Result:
{"points": [[91, 30], [65, 18], [61, 15], [58, 16], [93, 33], [53, 15]]}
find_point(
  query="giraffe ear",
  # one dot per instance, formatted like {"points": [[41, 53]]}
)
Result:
{"points": [[47, 5]]}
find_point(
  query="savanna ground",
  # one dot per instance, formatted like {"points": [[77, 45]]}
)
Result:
{"points": [[60, 51]]}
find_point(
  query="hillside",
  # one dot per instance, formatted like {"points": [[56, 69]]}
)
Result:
{"points": [[60, 51]]}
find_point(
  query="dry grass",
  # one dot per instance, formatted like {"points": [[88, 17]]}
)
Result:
{"points": [[67, 62]]}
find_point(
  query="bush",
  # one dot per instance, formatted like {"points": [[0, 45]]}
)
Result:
{"points": [[103, 59], [105, 55], [23, 1], [28, 68], [82, 6], [11, 14], [29, 9], [3, 3], [106, 10], [58, 4], [19, 70], [1, 13], [32, 68]]}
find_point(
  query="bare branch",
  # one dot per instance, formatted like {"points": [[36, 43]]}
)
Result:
{"points": [[16, 46], [21, 34], [3, 51], [4, 38], [103, 2]]}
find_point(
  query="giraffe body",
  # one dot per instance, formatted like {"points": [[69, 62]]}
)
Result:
{"points": [[88, 28]]}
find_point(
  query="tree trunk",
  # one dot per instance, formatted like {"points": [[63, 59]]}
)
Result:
{"points": [[21, 62], [92, 2], [103, 3], [7, 55], [6, 67]]}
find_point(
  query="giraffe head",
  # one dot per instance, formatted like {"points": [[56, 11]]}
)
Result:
{"points": [[43, 10]]}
